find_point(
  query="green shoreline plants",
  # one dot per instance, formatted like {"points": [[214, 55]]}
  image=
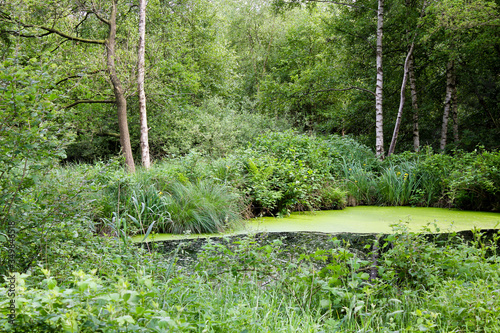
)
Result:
{"points": [[244, 285]]}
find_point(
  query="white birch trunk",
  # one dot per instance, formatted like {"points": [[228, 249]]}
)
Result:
{"points": [[401, 103], [454, 108], [414, 104], [379, 117], [447, 104], [140, 86]]}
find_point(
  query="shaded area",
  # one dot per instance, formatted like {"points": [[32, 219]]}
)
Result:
{"points": [[297, 243]]}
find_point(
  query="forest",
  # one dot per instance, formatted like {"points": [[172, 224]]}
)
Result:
{"points": [[121, 119]]}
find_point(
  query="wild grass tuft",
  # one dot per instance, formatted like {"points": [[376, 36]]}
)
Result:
{"points": [[397, 183], [200, 207], [360, 182]]}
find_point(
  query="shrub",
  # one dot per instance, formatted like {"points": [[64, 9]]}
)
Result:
{"points": [[331, 197], [474, 183]]}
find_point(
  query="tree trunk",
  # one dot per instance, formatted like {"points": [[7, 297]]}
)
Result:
{"points": [[121, 102], [379, 118], [447, 104], [140, 86], [454, 108], [401, 103], [414, 104]]}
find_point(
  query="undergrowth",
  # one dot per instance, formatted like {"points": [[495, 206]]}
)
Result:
{"points": [[243, 285]]}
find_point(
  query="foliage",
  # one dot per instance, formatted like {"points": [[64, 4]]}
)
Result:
{"points": [[246, 283], [464, 180], [475, 181], [32, 139]]}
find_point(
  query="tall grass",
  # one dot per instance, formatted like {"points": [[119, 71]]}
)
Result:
{"points": [[397, 184], [200, 207], [360, 182]]}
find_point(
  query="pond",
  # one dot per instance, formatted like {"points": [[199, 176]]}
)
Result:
{"points": [[362, 219]]}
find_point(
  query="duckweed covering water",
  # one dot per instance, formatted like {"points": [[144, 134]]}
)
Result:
{"points": [[363, 219]]}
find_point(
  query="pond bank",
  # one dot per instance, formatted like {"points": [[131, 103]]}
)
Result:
{"points": [[305, 242]]}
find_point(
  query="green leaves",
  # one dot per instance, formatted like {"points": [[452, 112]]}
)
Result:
{"points": [[32, 138]]}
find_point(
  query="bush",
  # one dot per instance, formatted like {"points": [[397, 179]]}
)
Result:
{"points": [[474, 183]]}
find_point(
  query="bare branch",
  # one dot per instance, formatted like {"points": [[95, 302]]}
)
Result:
{"points": [[88, 101]]}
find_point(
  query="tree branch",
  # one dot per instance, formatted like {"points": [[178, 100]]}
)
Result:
{"points": [[343, 4], [79, 75], [111, 134], [102, 19], [62, 34], [344, 89], [88, 101], [17, 33], [84, 19], [7, 17]]}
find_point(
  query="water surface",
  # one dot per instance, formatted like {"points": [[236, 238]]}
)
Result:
{"points": [[363, 219]]}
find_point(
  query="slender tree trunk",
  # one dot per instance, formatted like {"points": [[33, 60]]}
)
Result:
{"points": [[121, 102], [140, 86], [414, 104], [401, 103], [454, 108], [379, 117], [447, 104]]}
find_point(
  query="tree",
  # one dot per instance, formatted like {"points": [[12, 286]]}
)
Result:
{"points": [[466, 30], [140, 86], [378, 93], [32, 140], [81, 9], [379, 118], [408, 65]]}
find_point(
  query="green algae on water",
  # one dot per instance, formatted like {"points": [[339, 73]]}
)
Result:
{"points": [[362, 219]]}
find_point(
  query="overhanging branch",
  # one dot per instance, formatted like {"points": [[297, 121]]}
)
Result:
{"points": [[7, 17], [17, 33], [343, 89], [343, 4], [79, 75], [62, 34], [89, 101]]}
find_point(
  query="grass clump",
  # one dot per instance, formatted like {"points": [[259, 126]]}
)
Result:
{"points": [[200, 207]]}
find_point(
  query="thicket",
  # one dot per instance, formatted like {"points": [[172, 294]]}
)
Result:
{"points": [[278, 173], [243, 286]]}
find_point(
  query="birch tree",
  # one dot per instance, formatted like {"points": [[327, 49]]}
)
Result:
{"points": [[140, 86], [379, 115], [450, 86], [414, 104]]}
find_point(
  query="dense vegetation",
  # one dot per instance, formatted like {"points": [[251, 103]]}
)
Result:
{"points": [[244, 286], [254, 108]]}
